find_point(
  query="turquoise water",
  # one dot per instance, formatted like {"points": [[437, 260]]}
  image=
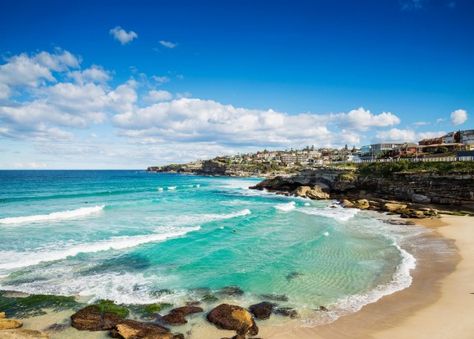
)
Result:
{"points": [[138, 237]]}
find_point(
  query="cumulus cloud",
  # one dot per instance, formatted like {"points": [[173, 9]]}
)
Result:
{"points": [[405, 135], [361, 119], [93, 74], [158, 95], [458, 117], [168, 44], [122, 35]]}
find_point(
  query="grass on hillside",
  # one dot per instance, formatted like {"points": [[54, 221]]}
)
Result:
{"points": [[387, 168]]}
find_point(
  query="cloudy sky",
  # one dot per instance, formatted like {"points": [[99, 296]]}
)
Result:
{"points": [[127, 84]]}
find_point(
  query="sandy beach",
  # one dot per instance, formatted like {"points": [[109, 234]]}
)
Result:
{"points": [[438, 304]]}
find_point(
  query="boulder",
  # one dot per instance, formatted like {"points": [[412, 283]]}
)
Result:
{"points": [[347, 204], [23, 334], [420, 198], [8, 324], [301, 191], [91, 318], [131, 329], [233, 317], [317, 193], [394, 207], [362, 204], [286, 312], [2, 315], [262, 310], [178, 315], [275, 297]]}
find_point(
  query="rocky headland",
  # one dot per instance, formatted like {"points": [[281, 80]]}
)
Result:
{"points": [[410, 193]]}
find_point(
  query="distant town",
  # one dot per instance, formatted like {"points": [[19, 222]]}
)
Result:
{"points": [[454, 146]]}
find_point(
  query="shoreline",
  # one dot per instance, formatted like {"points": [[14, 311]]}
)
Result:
{"points": [[415, 310]]}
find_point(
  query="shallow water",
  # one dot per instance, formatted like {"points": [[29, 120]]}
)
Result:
{"points": [[138, 237]]}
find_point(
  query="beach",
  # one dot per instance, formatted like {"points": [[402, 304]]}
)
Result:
{"points": [[438, 304]]}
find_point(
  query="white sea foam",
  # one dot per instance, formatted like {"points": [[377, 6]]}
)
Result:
{"points": [[199, 219], [286, 207], [10, 259], [326, 234], [171, 188], [55, 216], [160, 189], [307, 204], [337, 213]]}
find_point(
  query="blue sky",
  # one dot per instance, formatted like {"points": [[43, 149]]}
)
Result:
{"points": [[126, 84]]}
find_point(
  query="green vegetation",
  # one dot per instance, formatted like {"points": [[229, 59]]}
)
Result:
{"points": [[34, 305], [108, 306], [148, 310], [388, 168]]}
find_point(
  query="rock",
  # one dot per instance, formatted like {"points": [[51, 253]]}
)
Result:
{"points": [[317, 193], [323, 309], [131, 329], [301, 191], [347, 203], [56, 327], [233, 317], [362, 204], [178, 315], [231, 291], [394, 207], [398, 222], [411, 213], [2, 315], [91, 318], [23, 334], [8, 324], [286, 312], [262, 310], [420, 198], [275, 297]]}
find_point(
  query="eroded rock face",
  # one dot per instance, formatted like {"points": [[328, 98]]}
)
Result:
{"points": [[178, 315], [91, 318], [131, 329], [394, 207], [362, 204], [233, 317], [420, 198], [286, 312], [262, 310]]}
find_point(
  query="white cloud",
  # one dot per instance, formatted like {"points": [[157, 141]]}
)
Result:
{"points": [[405, 135], [361, 119], [160, 79], [158, 95], [93, 74], [168, 44], [122, 35], [458, 117]]}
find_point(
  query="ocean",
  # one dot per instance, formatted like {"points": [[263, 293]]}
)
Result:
{"points": [[137, 237]]}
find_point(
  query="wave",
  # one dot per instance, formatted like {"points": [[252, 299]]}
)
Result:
{"points": [[24, 259], [337, 213], [171, 188], [55, 216], [286, 207]]}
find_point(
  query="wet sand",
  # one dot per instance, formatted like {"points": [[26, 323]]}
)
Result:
{"points": [[438, 304]]}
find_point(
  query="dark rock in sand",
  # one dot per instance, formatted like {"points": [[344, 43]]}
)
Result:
{"points": [[262, 310], [275, 297], [398, 222], [231, 291], [56, 327], [131, 329], [233, 317], [323, 309], [177, 316], [91, 318], [286, 312]]}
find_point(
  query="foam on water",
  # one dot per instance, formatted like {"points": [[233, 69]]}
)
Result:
{"points": [[286, 207], [11, 260], [55, 216], [335, 212]]}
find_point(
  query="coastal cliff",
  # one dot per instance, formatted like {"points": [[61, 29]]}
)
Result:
{"points": [[374, 187]]}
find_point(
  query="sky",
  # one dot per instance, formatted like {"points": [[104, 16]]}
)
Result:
{"points": [[129, 84]]}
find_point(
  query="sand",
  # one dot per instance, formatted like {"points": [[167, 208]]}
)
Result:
{"points": [[438, 304]]}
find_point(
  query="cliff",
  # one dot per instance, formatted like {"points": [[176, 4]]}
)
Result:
{"points": [[452, 190]]}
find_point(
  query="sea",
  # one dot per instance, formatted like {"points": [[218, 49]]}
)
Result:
{"points": [[137, 237]]}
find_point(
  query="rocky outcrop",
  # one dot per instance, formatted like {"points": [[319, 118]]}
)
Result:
{"points": [[371, 191], [262, 310], [91, 318], [177, 316], [233, 317], [8, 324], [131, 329], [23, 334]]}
